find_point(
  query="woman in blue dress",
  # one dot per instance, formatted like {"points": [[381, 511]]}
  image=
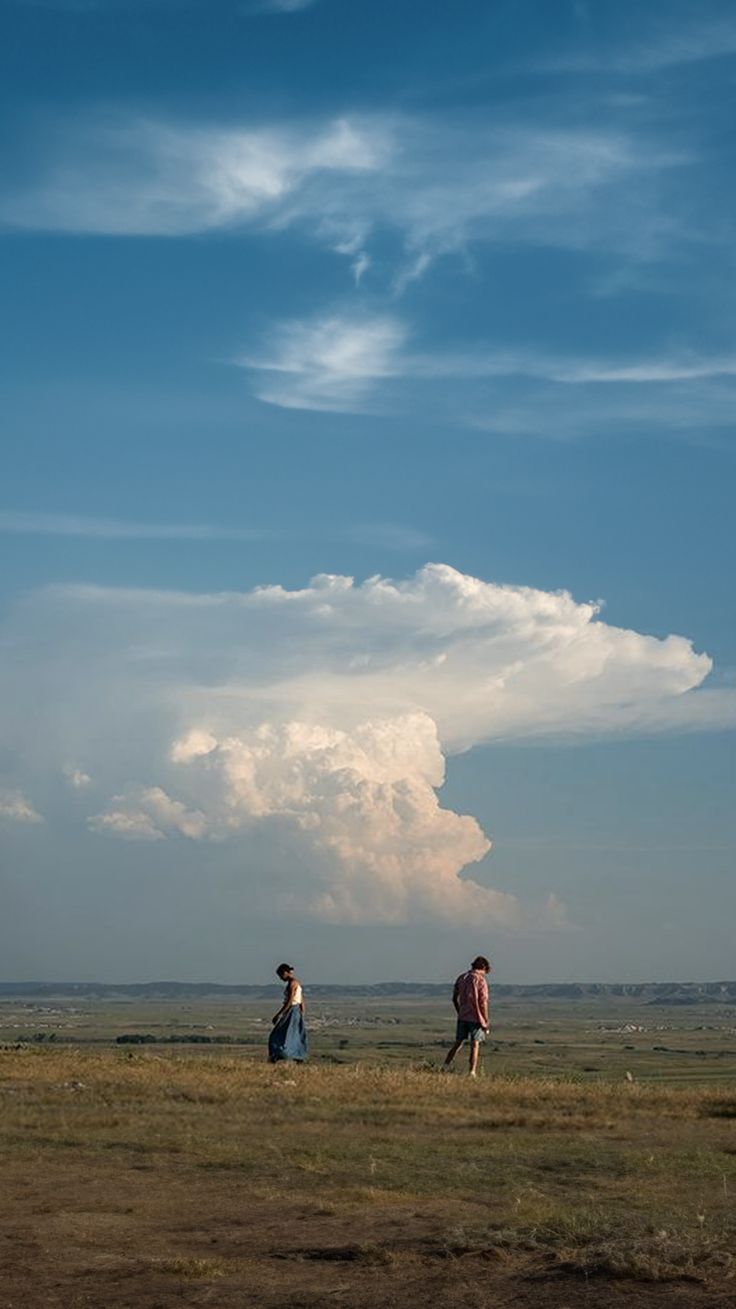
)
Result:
{"points": [[288, 1039]]}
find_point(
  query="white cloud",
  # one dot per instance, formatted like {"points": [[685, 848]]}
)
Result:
{"points": [[656, 370], [73, 6], [276, 6], [148, 814], [147, 178], [563, 187], [129, 823], [16, 808], [690, 44], [342, 363], [365, 799], [328, 363], [93, 6], [321, 718], [696, 410], [360, 266], [30, 523], [682, 395], [77, 778], [576, 371], [197, 744], [389, 536], [664, 46], [438, 183]]}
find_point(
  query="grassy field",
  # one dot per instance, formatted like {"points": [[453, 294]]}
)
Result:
{"points": [[158, 1176], [588, 1040]]}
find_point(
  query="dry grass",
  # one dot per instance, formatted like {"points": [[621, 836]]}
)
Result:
{"points": [[557, 1178], [182, 1267]]}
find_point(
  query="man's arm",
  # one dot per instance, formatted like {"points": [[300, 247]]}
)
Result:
{"points": [[483, 1003], [456, 996]]}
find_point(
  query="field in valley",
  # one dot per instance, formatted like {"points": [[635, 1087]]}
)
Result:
{"points": [[186, 1171]]}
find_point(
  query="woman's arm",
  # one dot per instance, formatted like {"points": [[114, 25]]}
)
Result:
{"points": [[286, 1006]]}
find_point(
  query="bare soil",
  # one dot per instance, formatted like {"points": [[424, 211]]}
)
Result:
{"points": [[91, 1234]]}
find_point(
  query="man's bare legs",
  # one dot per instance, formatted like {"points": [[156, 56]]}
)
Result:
{"points": [[452, 1052], [474, 1058]]}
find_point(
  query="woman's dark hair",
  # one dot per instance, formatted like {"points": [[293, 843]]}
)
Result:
{"points": [[480, 961], [283, 969]]}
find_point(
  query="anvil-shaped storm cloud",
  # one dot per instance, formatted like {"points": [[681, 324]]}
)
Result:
{"points": [[324, 715]]}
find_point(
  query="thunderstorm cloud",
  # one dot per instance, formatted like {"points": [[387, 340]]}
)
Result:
{"points": [[325, 715]]}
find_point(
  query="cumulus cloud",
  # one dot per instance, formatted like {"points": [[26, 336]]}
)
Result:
{"points": [[77, 778], [16, 808], [148, 814], [376, 845], [323, 717]]}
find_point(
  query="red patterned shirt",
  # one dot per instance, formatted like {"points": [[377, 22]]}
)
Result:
{"points": [[471, 997]]}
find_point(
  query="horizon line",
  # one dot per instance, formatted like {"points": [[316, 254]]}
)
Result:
{"points": [[351, 986]]}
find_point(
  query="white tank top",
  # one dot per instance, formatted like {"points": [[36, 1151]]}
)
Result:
{"points": [[297, 996]]}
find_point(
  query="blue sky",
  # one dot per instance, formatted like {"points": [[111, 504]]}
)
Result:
{"points": [[348, 288]]}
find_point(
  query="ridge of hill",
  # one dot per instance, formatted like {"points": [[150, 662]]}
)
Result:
{"points": [[662, 993]]}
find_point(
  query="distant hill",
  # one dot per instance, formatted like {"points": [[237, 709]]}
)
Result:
{"points": [[657, 993]]}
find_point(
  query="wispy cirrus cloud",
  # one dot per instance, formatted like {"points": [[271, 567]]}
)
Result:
{"points": [[656, 47], [346, 363], [438, 184], [143, 177], [30, 523], [330, 363], [696, 412], [276, 6], [579, 371], [682, 368], [685, 394], [82, 7], [397, 536]]}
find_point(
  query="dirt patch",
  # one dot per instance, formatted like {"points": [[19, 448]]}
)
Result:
{"points": [[91, 1235]]}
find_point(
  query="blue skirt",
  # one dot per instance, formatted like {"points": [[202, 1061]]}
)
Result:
{"points": [[288, 1039]]}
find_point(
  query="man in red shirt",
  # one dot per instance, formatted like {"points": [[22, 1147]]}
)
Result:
{"points": [[470, 998]]}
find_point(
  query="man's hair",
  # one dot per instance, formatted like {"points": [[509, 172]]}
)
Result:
{"points": [[480, 961], [284, 968]]}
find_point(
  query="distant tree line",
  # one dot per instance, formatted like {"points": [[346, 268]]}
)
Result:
{"points": [[193, 1038]]}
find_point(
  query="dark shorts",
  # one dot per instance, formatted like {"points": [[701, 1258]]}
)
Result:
{"points": [[466, 1031]]}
